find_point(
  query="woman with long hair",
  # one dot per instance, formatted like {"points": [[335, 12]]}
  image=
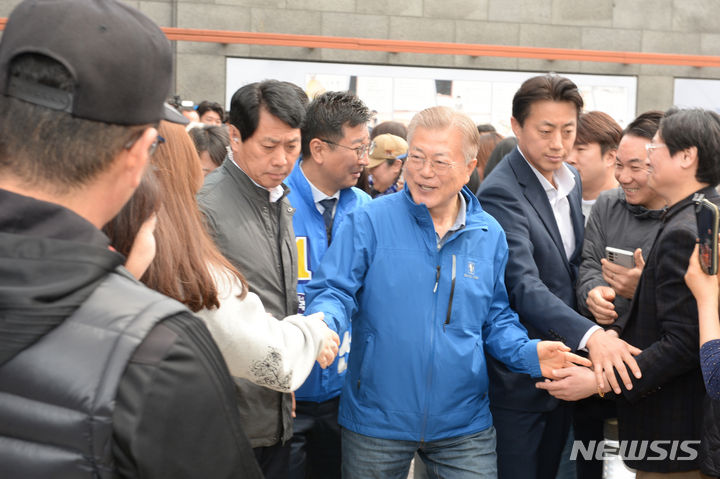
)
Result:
{"points": [[132, 230], [189, 268]]}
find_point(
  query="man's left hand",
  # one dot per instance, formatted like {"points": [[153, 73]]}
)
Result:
{"points": [[555, 355]]}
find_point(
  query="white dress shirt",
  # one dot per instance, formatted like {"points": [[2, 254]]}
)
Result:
{"points": [[558, 198], [318, 195], [586, 208]]}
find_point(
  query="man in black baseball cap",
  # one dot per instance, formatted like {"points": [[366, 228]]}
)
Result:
{"points": [[99, 376], [119, 61]]}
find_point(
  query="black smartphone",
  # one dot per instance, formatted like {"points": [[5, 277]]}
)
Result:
{"points": [[707, 215]]}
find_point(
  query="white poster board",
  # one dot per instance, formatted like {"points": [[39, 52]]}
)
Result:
{"points": [[398, 92], [691, 93]]}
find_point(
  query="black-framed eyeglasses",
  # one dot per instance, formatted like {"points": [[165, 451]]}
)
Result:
{"points": [[360, 151]]}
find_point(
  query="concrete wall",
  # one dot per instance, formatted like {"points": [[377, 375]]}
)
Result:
{"points": [[661, 26]]}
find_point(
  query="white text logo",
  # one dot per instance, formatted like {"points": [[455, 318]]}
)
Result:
{"points": [[660, 450]]}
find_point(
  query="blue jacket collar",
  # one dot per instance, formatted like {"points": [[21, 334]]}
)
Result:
{"points": [[473, 216], [420, 210]]}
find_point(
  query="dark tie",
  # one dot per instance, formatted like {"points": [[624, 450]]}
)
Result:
{"points": [[328, 204]]}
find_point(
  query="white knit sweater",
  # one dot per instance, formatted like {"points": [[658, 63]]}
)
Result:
{"points": [[258, 347]]}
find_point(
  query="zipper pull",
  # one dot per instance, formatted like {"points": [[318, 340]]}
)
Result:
{"points": [[437, 279]]}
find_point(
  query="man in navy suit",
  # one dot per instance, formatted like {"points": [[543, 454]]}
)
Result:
{"points": [[536, 197]]}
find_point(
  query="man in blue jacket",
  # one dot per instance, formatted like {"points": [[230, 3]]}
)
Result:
{"points": [[420, 274], [335, 144]]}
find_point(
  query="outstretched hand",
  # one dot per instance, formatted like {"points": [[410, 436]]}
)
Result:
{"points": [[330, 344], [555, 355], [609, 353]]}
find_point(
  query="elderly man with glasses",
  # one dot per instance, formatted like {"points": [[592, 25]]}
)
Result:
{"points": [[420, 274]]}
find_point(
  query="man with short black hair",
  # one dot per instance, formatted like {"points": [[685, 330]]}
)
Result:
{"points": [[100, 376], [628, 218], [211, 113], [250, 218], [536, 198], [335, 146]]}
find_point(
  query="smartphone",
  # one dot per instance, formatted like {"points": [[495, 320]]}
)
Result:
{"points": [[619, 256], [707, 216]]}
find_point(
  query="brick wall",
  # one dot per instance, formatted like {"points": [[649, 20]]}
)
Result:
{"points": [[661, 26]]}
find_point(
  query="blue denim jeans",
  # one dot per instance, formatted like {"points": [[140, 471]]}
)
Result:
{"points": [[464, 457]]}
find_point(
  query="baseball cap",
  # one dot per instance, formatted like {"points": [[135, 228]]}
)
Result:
{"points": [[386, 147], [120, 60]]}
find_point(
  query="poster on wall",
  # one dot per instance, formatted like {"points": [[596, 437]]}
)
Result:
{"points": [[398, 92], [693, 93]]}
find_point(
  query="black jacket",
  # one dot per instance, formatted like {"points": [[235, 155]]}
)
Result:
{"points": [[174, 412], [667, 402]]}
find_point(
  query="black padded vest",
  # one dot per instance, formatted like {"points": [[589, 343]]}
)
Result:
{"points": [[57, 396]]}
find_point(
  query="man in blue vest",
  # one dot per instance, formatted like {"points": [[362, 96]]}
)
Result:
{"points": [[335, 145]]}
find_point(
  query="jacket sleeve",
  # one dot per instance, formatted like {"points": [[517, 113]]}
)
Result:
{"points": [[275, 354], [676, 351], [176, 413], [710, 362], [335, 284], [504, 337], [529, 296], [590, 273]]}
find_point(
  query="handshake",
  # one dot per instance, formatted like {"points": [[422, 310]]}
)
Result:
{"points": [[330, 343], [574, 379]]}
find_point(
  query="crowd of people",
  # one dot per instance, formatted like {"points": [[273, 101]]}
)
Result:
{"points": [[281, 291]]}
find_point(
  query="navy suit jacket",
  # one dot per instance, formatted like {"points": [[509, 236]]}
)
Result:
{"points": [[540, 279]]}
